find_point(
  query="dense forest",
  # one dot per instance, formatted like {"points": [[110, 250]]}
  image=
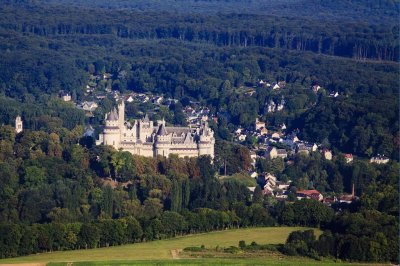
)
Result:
{"points": [[355, 40], [353, 10], [212, 75], [59, 191], [58, 195]]}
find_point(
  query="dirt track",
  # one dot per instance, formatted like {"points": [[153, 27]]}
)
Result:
{"points": [[174, 253]]}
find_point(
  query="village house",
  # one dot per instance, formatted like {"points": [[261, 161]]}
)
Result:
{"points": [[281, 195], [275, 136], [129, 99], [259, 125], [281, 190], [379, 159], [65, 96], [242, 137], [303, 149], [169, 101], [100, 96], [334, 94], [329, 200], [282, 84], [106, 76], [268, 190], [313, 147], [89, 106], [261, 83], [276, 87], [348, 157], [251, 189], [143, 98], [316, 88], [273, 152], [281, 105], [327, 154], [263, 131], [254, 175], [89, 131], [348, 198], [238, 131], [270, 107], [157, 99], [309, 194], [283, 186], [291, 140], [270, 184], [253, 156]]}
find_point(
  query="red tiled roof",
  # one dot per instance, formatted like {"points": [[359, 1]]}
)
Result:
{"points": [[308, 192]]}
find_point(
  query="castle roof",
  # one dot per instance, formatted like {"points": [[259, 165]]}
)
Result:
{"points": [[146, 118], [188, 139], [162, 131], [178, 130], [113, 115]]}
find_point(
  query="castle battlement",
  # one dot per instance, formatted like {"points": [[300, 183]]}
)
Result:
{"points": [[142, 137]]}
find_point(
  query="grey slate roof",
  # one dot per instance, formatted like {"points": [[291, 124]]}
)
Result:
{"points": [[162, 131], [113, 115]]}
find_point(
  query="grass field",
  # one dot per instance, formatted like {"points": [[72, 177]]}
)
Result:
{"points": [[159, 252], [216, 262]]}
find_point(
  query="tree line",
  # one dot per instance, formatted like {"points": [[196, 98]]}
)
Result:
{"points": [[376, 42]]}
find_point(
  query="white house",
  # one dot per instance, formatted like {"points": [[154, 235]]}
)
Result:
{"points": [[242, 137], [380, 159], [258, 125]]}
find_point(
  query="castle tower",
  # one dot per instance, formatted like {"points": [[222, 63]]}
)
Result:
{"points": [[121, 113], [207, 141], [18, 124], [111, 134], [163, 141], [146, 127]]}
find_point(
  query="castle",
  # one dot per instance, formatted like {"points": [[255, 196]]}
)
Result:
{"points": [[143, 137]]}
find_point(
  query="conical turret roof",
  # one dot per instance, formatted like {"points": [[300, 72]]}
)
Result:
{"points": [[113, 115], [162, 130], [146, 118], [188, 138]]}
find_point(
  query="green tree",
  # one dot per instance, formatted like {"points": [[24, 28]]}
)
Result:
{"points": [[258, 197], [34, 176]]}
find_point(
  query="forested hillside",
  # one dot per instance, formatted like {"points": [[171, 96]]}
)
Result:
{"points": [[206, 57], [353, 10], [57, 195], [359, 40]]}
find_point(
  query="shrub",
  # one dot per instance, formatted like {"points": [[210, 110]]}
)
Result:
{"points": [[233, 250], [242, 244], [194, 249]]}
